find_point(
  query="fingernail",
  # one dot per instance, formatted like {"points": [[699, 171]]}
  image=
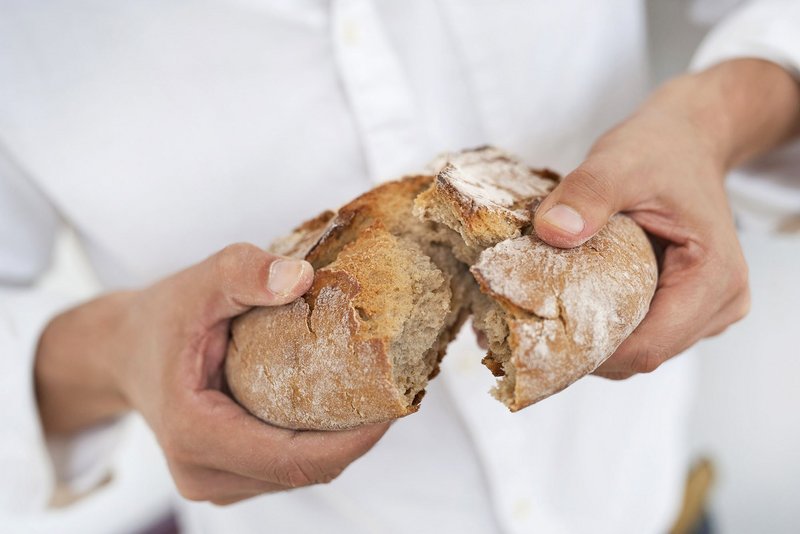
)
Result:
{"points": [[284, 276], [565, 218]]}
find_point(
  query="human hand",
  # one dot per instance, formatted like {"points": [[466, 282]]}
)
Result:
{"points": [[664, 167], [160, 351], [654, 168]]}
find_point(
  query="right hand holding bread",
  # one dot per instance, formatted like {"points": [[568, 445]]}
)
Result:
{"points": [[160, 351]]}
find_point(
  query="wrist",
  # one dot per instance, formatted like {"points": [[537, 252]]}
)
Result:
{"points": [[75, 386], [738, 109]]}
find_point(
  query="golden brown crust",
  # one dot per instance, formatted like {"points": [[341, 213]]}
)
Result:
{"points": [[389, 203], [324, 361], [337, 358], [303, 365]]}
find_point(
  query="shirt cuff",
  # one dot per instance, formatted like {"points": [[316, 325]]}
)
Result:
{"points": [[766, 29], [32, 467], [765, 192]]}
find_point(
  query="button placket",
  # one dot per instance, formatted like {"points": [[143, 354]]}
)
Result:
{"points": [[381, 100]]}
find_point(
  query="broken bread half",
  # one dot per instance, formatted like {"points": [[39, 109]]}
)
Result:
{"points": [[550, 315], [400, 268], [361, 345]]}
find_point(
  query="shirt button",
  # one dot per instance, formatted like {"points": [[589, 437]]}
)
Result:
{"points": [[522, 509], [465, 363], [351, 32]]}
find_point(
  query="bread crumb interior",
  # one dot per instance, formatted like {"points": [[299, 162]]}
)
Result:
{"points": [[490, 319]]}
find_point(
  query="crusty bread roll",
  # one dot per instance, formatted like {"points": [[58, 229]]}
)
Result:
{"points": [[360, 346], [400, 268]]}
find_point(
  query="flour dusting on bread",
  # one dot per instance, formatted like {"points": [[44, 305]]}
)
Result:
{"points": [[485, 195], [398, 271], [567, 309]]}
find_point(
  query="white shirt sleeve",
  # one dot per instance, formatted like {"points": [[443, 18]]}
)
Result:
{"points": [[766, 192], [765, 29], [28, 226]]}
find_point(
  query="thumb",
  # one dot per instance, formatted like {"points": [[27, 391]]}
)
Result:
{"points": [[242, 276], [576, 209]]}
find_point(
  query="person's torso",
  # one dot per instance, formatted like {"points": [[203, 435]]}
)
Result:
{"points": [[165, 130], [176, 127]]}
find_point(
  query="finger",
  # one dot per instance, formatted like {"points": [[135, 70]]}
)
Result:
{"points": [[577, 208], [734, 312], [701, 291], [660, 336], [235, 441], [241, 276], [227, 501], [202, 484], [331, 452], [679, 316]]}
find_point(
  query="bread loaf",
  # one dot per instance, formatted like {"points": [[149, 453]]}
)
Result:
{"points": [[399, 269]]}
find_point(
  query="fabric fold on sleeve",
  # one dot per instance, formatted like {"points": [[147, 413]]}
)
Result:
{"points": [[765, 193], [766, 29]]}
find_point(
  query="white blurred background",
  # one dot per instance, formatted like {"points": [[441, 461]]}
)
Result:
{"points": [[745, 421]]}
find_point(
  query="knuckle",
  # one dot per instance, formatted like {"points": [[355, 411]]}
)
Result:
{"points": [[176, 438], [225, 501], [191, 493], [190, 490], [228, 260], [717, 330], [174, 448], [330, 476], [648, 361], [739, 278], [646, 364], [299, 472], [743, 306], [614, 375], [288, 473], [296, 477], [592, 185], [738, 287]]}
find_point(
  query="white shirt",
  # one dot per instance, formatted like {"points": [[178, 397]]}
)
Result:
{"points": [[163, 130]]}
